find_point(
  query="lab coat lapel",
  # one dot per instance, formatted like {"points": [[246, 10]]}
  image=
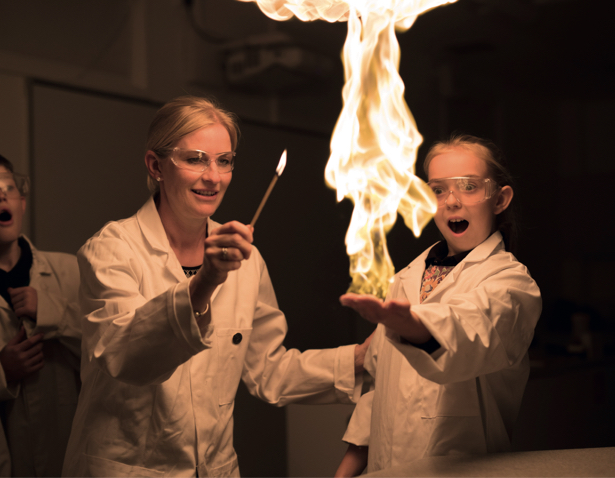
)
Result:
{"points": [[479, 254], [412, 276], [484, 250], [152, 228], [40, 267], [156, 237]]}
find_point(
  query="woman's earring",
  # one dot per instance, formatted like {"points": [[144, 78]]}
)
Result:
{"points": [[158, 179]]}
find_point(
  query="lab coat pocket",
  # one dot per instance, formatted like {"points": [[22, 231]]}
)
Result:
{"points": [[458, 399], [232, 347]]}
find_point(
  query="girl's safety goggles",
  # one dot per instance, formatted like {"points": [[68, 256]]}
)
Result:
{"points": [[466, 190]]}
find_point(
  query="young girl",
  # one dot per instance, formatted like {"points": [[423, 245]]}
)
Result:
{"points": [[449, 356]]}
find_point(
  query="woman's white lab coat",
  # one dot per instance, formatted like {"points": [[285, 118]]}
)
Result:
{"points": [[38, 410], [157, 398], [465, 396]]}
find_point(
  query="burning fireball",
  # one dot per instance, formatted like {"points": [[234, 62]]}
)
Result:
{"points": [[375, 141]]}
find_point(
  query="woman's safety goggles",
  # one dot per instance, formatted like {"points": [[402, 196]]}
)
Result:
{"points": [[198, 161], [466, 190], [14, 185]]}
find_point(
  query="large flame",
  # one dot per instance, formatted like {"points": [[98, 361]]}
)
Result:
{"points": [[375, 141]]}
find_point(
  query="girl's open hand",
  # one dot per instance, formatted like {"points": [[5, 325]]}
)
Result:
{"points": [[396, 314], [377, 311]]}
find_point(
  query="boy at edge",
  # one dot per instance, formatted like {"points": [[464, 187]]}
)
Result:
{"points": [[40, 341]]}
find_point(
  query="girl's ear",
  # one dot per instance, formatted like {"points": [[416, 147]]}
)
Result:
{"points": [[153, 165], [504, 197]]}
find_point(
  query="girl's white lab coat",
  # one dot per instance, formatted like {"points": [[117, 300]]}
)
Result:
{"points": [[39, 409], [157, 398], [465, 396]]}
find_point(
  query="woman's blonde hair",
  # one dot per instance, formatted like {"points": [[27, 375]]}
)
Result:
{"points": [[182, 116], [486, 150]]}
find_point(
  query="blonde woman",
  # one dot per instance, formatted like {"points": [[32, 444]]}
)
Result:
{"points": [[177, 310]]}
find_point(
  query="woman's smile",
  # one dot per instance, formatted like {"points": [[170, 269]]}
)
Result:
{"points": [[205, 193]]}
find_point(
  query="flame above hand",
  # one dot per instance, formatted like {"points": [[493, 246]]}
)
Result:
{"points": [[375, 141]]}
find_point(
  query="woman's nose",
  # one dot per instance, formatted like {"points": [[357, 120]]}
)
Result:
{"points": [[211, 173]]}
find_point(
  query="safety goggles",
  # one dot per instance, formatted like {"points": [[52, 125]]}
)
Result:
{"points": [[14, 185], [466, 190], [198, 161]]}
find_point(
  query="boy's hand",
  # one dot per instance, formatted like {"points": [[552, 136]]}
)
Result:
{"points": [[22, 356], [25, 301]]}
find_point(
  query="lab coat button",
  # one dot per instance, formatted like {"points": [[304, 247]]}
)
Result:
{"points": [[237, 338]]}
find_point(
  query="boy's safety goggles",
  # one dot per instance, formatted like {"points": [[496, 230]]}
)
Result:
{"points": [[14, 185]]}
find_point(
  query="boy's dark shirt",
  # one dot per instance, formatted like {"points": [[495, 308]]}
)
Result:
{"points": [[18, 276]]}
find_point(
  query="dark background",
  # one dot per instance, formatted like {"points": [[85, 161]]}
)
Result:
{"points": [[535, 76]]}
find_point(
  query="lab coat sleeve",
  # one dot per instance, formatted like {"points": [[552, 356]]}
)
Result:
{"points": [[359, 426], [58, 313], [130, 338], [481, 330], [280, 376]]}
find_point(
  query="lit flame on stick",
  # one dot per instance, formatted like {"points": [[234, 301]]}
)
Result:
{"points": [[375, 141], [278, 172], [281, 165]]}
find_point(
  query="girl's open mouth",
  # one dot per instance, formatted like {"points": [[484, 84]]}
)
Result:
{"points": [[458, 225]]}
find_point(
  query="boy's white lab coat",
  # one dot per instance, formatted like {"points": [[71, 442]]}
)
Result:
{"points": [[157, 398], [465, 396], [39, 409]]}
